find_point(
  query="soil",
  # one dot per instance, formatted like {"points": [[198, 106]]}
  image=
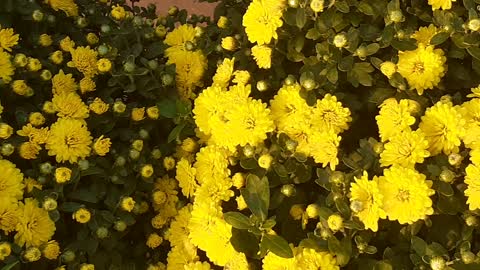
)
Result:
{"points": [[192, 6]]}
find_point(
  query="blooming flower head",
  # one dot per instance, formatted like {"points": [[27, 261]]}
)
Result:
{"points": [[366, 201], [224, 73], [127, 204], [6, 67], [82, 215], [66, 44], [118, 12], [190, 68], [241, 77], [394, 117], [211, 164], [51, 250], [423, 68], [63, 83], [443, 126], [101, 146], [424, 34], [63, 174], [87, 84], [472, 179], [5, 131], [470, 111], [405, 149], [177, 40], [154, 240], [84, 60], [36, 118], [261, 21], [11, 181], [69, 140], [197, 266], [98, 106], [322, 146], [67, 6], [35, 226], [138, 114], [8, 39], [34, 64], [70, 105], [185, 176], [441, 4], [29, 150], [406, 194], [330, 114], [310, 259], [262, 55], [104, 65], [45, 40], [9, 215]]}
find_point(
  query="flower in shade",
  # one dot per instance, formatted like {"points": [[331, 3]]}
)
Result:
{"points": [[9, 215], [11, 181], [69, 140], [63, 83], [8, 39], [35, 226], [98, 106], [29, 150], [6, 67], [472, 179], [67, 6], [101, 146], [84, 60]]}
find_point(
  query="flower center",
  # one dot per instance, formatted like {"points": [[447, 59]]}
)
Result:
{"points": [[418, 67], [403, 195]]}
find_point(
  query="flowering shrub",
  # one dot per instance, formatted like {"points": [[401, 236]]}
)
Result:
{"points": [[299, 134]]}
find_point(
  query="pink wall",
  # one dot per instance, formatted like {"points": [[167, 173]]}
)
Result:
{"points": [[192, 6]]}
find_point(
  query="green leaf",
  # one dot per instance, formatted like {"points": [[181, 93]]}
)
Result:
{"points": [[372, 48], [237, 220], [313, 34], [257, 195], [83, 195], [10, 266], [70, 207], [246, 242], [249, 163], [346, 63], [277, 245], [168, 108], [445, 189], [175, 133], [301, 18], [342, 249], [382, 265], [404, 44], [332, 74], [475, 52], [439, 38], [365, 8], [342, 6], [419, 245]]}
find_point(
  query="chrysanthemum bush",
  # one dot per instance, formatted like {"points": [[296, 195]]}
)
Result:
{"points": [[299, 134]]}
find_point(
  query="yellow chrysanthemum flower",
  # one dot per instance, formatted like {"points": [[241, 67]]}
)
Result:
{"points": [[11, 181], [472, 179], [35, 135], [69, 140], [424, 34], [393, 118], [35, 226], [98, 106], [9, 214], [82, 215], [178, 232], [261, 21], [406, 194], [104, 65], [101, 146], [84, 60], [470, 111], [330, 114], [224, 73], [45, 40], [5, 250], [31, 184], [441, 4], [29, 150], [322, 146], [36, 119], [274, 262], [209, 108], [185, 176], [51, 250], [211, 164], [67, 44], [190, 68], [423, 68], [87, 84], [177, 39], [229, 43], [67, 6], [63, 83], [237, 262], [405, 149], [8, 39], [475, 156], [197, 266], [241, 77], [118, 12], [70, 105], [63, 175], [215, 190], [179, 256], [475, 92], [262, 55], [443, 126], [6, 67], [310, 259], [366, 201]]}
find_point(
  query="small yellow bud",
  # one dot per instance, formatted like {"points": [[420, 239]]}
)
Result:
{"points": [[241, 204], [127, 204], [222, 22], [189, 145], [32, 254], [82, 215], [154, 240], [388, 68], [313, 210], [335, 222], [137, 145], [119, 107], [229, 43], [92, 39], [438, 263], [147, 171], [50, 204], [5, 131], [48, 107], [5, 250], [265, 161], [63, 174], [238, 180], [317, 5], [169, 163], [296, 211], [20, 60], [340, 40], [455, 159], [153, 112]]}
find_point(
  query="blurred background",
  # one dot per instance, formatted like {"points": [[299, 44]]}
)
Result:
{"points": [[192, 6]]}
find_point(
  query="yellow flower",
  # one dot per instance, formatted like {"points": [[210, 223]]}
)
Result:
{"points": [[87, 84], [335, 222], [21, 88], [31, 183], [470, 111], [261, 21], [69, 140], [153, 112], [67, 6], [154, 240], [20, 60], [5, 250], [35, 227], [6, 67], [51, 250], [424, 34], [67, 44], [32, 254], [189, 145], [241, 77], [84, 60], [101, 146], [35, 135], [229, 43], [322, 146], [147, 170], [317, 5], [265, 161], [63, 175], [11, 181], [56, 57], [441, 4], [8, 39], [388, 68], [224, 73], [9, 215], [393, 118], [405, 149], [310, 259], [45, 40], [402, 189], [92, 39], [443, 126], [423, 68], [190, 68], [98, 106], [472, 179], [36, 119], [34, 64], [366, 201], [138, 114], [169, 163], [82, 215], [5, 131], [222, 22], [63, 83], [87, 266], [104, 65], [177, 40], [330, 114], [127, 204], [29, 150], [118, 12], [241, 204], [197, 266], [185, 176], [70, 105], [262, 55], [180, 256]]}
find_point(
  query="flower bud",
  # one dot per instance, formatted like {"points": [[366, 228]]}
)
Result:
{"points": [[169, 163], [437, 263], [7, 149], [46, 168], [172, 10], [134, 154], [156, 154], [296, 211], [50, 204], [248, 151], [129, 67], [238, 180], [265, 161], [337, 177], [81, 22], [167, 79], [317, 5], [127, 204], [32, 254], [293, 3], [119, 107], [20, 60], [313, 210], [102, 232], [340, 40], [37, 15], [262, 86], [222, 22], [474, 25], [46, 75], [68, 256], [455, 159], [147, 170], [356, 206], [471, 221], [396, 16], [83, 164], [5, 131], [137, 145], [335, 222], [288, 190], [290, 80], [447, 176]]}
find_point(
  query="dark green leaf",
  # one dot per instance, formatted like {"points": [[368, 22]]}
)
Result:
{"points": [[439, 38], [175, 133], [342, 6], [475, 52], [257, 195], [246, 242], [404, 44], [419, 245], [277, 245], [301, 18], [168, 108], [10, 266], [83, 195], [445, 189], [346, 64], [365, 8], [249, 163], [382, 265], [70, 207], [237, 220]]}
